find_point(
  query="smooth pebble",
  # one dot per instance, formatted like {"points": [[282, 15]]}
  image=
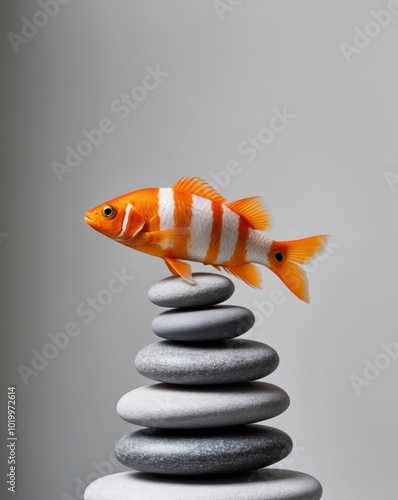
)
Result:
{"points": [[264, 484], [203, 451], [216, 362], [214, 323], [186, 407], [208, 289]]}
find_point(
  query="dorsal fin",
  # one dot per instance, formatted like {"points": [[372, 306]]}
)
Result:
{"points": [[253, 211], [196, 185]]}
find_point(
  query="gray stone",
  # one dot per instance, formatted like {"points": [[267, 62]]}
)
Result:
{"points": [[186, 407], [203, 451], [208, 289], [264, 484], [216, 362], [214, 323]]}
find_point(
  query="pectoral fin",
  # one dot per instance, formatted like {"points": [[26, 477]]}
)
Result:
{"points": [[167, 237]]}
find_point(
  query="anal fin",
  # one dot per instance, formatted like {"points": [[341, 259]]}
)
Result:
{"points": [[246, 272], [178, 268]]}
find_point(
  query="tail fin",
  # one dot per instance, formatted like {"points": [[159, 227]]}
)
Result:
{"points": [[285, 255]]}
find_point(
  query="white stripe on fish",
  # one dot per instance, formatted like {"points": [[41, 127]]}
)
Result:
{"points": [[125, 220], [229, 235], [201, 227], [166, 208]]}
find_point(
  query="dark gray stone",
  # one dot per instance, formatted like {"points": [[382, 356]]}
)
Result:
{"points": [[208, 289], [187, 407], [213, 323], [216, 362], [203, 451], [264, 484]]}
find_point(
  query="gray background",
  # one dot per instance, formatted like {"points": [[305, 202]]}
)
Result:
{"points": [[324, 173]]}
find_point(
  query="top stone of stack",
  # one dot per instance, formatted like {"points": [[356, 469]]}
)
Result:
{"points": [[209, 289]]}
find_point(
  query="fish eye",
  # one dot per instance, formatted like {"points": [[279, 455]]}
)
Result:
{"points": [[108, 212], [278, 256]]}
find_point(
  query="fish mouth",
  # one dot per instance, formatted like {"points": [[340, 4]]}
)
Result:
{"points": [[89, 219]]}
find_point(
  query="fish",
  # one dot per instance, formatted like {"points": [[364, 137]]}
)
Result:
{"points": [[191, 221]]}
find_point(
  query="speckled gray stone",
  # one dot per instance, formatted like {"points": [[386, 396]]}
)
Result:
{"points": [[216, 362], [213, 323], [264, 484], [187, 407], [208, 289], [203, 451]]}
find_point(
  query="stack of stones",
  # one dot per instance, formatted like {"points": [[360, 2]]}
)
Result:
{"points": [[199, 438]]}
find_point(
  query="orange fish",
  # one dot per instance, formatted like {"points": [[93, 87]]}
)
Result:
{"points": [[192, 221]]}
